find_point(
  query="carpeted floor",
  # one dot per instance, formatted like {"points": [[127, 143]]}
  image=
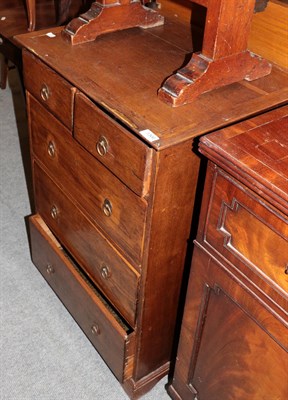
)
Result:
{"points": [[44, 355]]}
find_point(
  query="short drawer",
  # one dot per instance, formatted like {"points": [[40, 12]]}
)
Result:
{"points": [[112, 274], [107, 332], [118, 211], [49, 88], [246, 230], [126, 156]]}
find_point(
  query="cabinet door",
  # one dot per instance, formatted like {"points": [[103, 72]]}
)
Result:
{"points": [[232, 345]]}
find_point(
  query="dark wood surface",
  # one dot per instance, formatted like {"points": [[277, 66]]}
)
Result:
{"points": [[232, 345], [16, 20], [138, 226], [126, 225], [224, 57], [113, 274], [107, 16], [257, 150], [122, 153], [112, 338], [236, 306], [122, 72], [117, 77]]}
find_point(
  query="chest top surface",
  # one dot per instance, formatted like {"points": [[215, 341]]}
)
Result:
{"points": [[122, 71], [257, 151]]}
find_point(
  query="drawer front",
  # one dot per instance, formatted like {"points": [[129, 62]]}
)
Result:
{"points": [[106, 332], [245, 229], [101, 196], [115, 277], [49, 88], [126, 156]]}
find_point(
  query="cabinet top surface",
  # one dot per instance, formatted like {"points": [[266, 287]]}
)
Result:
{"points": [[257, 150], [122, 72]]}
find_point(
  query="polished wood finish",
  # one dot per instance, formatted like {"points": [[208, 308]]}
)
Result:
{"points": [[232, 346], [140, 204], [268, 36], [132, 99], [233, 341], [113, 274], [62, 8], [49, 88], [90, 183], [111, 337], [31, 11], [263, 159], [13, 21], [224, 57], [108, 16], [128, 158]]}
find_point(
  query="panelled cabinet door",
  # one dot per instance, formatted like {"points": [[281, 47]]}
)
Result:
{"points": [[232, 346]]}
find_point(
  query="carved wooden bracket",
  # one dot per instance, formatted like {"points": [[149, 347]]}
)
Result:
{"points": [[224, 58], [108, 16]]}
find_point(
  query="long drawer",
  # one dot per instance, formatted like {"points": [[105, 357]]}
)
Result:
{"points": [[115, 277], [107, 332], [248, 231], [101, 196]]}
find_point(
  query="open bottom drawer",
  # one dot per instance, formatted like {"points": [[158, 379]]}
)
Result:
{"points": [[107, 332]]}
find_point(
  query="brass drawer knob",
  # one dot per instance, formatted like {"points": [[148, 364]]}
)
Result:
{"points": [[44, 92], [51, 149], [102, 146], [49, 269], [95, 329], [54, 212], [105, 272], [107, 208]]}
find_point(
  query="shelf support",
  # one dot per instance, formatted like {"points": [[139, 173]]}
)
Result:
{"points": [[224, 58], [110, 15]]}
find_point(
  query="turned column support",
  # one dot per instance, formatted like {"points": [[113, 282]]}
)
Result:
{"points": [[107, 16], [31, 12], [224, 58]]}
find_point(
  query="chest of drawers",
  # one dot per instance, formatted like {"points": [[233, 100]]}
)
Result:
{"points": [[234, 338], [115, 175]]}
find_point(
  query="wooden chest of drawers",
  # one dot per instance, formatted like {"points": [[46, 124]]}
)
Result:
{"points": [[115, 175], [234, 339]]}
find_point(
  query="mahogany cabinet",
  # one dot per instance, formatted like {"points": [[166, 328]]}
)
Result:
{"points": [[115, 174], [234, 337]]}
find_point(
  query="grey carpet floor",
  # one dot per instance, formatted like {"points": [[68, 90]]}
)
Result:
{"points": [[43, 355]]}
